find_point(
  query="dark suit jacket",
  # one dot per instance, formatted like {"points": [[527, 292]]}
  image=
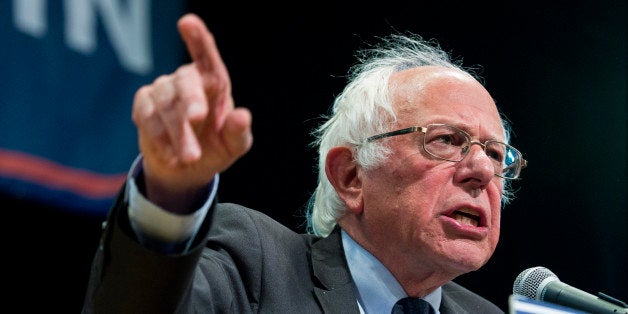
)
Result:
{"points": [[242, 261]]}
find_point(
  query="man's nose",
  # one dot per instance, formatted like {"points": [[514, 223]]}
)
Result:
{"points": [[479, 158]]}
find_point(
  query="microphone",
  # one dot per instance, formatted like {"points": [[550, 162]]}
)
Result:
{"points": [[542, 284]]}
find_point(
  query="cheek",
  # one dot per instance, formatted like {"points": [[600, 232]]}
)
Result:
{"points": [[495, 203], [416, 169], [400, 196], [418, 187], [494, 193], [407, 191], [419, 196]]}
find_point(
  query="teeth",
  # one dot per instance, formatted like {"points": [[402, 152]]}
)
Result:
{"points": [[465, 220], [466, 216]]}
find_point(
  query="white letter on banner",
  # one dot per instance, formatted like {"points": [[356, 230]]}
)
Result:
{"points": [[30, 17], [127, 26]]}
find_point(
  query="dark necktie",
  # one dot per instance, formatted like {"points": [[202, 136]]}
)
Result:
{"points": [[412, 306]]}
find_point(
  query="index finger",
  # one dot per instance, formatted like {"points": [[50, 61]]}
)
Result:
{"points": [[200, 44]]}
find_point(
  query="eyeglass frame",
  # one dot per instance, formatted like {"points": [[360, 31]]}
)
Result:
{"points": [[423, 129]]}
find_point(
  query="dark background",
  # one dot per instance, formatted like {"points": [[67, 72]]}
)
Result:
{"points": [[557, 70]]}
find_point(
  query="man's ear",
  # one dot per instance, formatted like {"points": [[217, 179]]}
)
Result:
{"points": [[342, 172]]}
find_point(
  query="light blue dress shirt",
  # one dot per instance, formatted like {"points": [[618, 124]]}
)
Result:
{"points": [[378, 290]]}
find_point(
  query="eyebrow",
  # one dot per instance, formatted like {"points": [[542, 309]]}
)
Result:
{"points": [[465, 127]]}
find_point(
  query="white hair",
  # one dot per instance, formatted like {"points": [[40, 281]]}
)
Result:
{"points": [[365, 108]]}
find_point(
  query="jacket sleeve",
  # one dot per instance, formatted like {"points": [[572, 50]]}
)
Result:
{"points": [[129, 278]]}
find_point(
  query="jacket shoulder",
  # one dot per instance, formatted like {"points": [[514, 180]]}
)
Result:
{"points": [[458, 299]]}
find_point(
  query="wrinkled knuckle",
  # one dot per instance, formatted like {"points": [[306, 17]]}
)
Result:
{"points": [[161, 80], [142, 93], [183, 71], [141, 104]]}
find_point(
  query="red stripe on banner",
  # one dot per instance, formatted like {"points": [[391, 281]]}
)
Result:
{"points": [[44, 172]]}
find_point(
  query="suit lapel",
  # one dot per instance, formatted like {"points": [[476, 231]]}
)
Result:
{"points": [[335, 289], [448, 304]]}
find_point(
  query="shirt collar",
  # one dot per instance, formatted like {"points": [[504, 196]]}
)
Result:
{"points": [[378, 290]]}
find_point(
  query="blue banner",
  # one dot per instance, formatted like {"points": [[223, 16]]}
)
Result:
{"points": [[69, 73]]}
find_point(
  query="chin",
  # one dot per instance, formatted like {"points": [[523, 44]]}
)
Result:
{"points": [[467, 260]]}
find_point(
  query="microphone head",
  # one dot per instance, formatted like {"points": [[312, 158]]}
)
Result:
{"points": [[531, 282]]}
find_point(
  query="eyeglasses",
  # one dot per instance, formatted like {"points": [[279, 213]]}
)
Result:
{"points": [[450, 143]]}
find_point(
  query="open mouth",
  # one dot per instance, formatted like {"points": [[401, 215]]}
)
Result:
{"points": [[466, 216]]}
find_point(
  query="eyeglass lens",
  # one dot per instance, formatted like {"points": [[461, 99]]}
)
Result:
{"points": [[449, 143]]}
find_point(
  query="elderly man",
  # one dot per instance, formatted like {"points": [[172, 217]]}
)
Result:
{"points": [[414, 166]]}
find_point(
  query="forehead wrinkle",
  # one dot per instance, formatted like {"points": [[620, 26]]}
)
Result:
{"points": [[419, 90]]}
